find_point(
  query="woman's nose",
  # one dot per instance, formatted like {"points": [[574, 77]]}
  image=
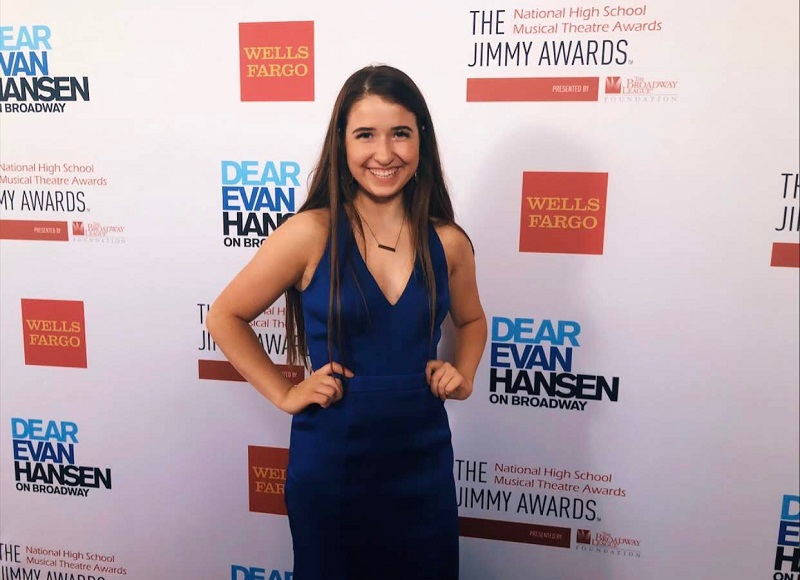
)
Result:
{"points": [[384, 152]]}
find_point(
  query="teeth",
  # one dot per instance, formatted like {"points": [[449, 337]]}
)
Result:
{"points": [[384, 173]]}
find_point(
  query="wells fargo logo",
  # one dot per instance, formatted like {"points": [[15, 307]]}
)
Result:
{"points": [[563, 213], [267, 476], [276, 61], [54, 333]]}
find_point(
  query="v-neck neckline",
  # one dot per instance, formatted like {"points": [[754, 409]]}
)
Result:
{"points": [[363, 262]]}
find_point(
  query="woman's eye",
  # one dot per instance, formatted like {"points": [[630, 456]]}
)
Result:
{"points": [[402, 134], [363, 135]]}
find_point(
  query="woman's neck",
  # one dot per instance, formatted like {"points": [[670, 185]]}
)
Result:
{"points": [[380, 213]]}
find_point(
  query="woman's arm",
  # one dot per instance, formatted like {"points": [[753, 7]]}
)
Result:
{"points": [[286, 258], [468, 318]]}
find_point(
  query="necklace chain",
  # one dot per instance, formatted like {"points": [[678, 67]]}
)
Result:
{"points": [[383, 246]]}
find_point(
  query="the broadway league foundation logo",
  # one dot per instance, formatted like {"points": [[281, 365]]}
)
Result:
{"points": [[267, 478], [276, 61], [563, 213], [613, 85], [96, 232], [605, 543], [641, 89], [54, 333]]}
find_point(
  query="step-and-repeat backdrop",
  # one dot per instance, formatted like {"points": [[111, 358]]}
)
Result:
{"points": [[629, 175]]}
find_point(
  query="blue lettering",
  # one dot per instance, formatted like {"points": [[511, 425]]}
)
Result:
{"points": [[248, 173], [789, 534], [569, 329], [539, 358], [502, 329], [15, 63], [230, 197], [524, 326], [565, 360], [247, 573], [230, 172], [249, 169], [500, 350], [18, 428], [519, 361], [244, 573], [259, 199], [290, 171], [786, 508], [32, 429], [43, 451], [37, 38], [524, 331], [19, 449], [285, 199], [546, 333], [529, 356]]}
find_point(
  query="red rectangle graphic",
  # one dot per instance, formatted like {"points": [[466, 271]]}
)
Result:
{"points": [[267, 478], [54, 333], [45, 231], [276, 61], [785, 255], [563, 212], [533, 89], [515, 532], [222, 370]]}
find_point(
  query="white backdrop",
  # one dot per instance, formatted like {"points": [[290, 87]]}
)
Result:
{"points": [[690, 471]]}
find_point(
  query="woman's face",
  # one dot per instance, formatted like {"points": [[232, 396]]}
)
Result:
{"points": [[382, 145]]}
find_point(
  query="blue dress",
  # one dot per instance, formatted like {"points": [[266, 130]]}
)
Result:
{"points": [[369, 490]]}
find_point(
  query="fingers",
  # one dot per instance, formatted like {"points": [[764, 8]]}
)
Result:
{"points": [[455, 381], [325, 389], [335, 367], [430, 368], [333, 383], [325, 394], [320, 400], [443, 378]]}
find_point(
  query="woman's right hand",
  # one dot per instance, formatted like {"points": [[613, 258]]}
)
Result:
{"points": [[321, 387]]}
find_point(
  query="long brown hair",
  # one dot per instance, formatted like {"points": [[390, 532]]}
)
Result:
{"points": [[425, 197]]}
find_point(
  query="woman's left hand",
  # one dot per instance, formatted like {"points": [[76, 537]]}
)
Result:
{"points": [[446, 382]]}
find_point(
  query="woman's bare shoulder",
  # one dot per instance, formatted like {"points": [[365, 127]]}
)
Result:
{"points": [[311, 221], [452, 236], [456, 244], [308, 231]]}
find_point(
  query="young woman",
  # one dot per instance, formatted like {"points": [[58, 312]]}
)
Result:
{"points": [[370, 265]]}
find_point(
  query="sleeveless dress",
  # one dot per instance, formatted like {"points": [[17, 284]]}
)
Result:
{"points": [[369, 490]]}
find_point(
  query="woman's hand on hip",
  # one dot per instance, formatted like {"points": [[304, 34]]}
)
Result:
{"points": [[446, 381], [320, 388]]}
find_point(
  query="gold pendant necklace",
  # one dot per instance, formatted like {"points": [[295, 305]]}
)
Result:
{"points": [[383, 246]]}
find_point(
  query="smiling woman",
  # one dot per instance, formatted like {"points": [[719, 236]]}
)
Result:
{"points": [[381, 158], [369, 488]]}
